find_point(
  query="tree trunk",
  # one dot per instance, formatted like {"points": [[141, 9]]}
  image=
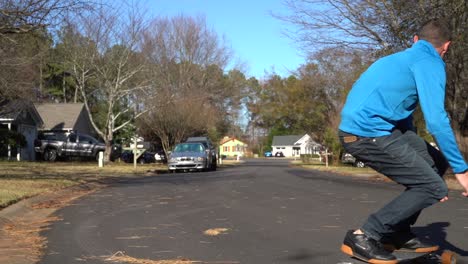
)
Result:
{"points": [[108, 151]]}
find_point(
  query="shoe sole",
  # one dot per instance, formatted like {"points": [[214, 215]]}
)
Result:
{"points": [[417, 250], [349, 251]]}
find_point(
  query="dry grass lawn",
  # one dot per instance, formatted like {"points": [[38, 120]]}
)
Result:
{"points": [[19, 180], [350, 170]]}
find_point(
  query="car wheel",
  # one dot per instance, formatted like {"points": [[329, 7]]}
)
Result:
{"points": [[360, 164], [214, 165], [45, 156], [51, 155]]}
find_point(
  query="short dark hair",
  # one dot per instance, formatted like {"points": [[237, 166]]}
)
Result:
{"points": [[437, 31]]}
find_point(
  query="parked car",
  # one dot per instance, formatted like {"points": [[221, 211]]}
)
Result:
{"points": [[350, 159], [190, 156], [210, 148], [279, 154], [145, 157], [51, 145], [160, 156], [268, 154]]}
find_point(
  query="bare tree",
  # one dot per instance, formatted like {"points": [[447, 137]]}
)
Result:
{"points": [[178, 119], [25, 40], [104, 51], [383, 26], [187, 69], [358, 24], [25, 16], [19, 71]]}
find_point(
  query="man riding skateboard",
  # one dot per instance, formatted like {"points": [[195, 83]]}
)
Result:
{"points": [[376, 127]]}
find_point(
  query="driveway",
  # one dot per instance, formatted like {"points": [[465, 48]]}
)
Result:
{"points": [[263, 211]]}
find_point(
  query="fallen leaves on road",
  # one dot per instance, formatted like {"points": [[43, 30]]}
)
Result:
{"points": [[216, 231], [22, 238], [121, 257], [132, 237], [64, 201]]}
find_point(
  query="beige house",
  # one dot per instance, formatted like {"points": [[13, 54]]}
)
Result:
{"points": [[66, 117], [232, 147]]}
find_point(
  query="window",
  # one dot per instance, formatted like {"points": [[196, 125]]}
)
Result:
{"points": [[72, 138], [86, 139]]}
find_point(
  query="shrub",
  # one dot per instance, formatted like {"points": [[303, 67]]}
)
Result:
{"points": [[307, 157], [12, 138]]}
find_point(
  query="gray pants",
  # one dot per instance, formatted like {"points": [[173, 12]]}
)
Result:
{"points": [[408, 160]]}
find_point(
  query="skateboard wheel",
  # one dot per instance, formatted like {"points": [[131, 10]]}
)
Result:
{"points": [[448, 257]]}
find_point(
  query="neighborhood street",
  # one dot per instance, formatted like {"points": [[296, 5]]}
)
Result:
{"points": [[261, 212]]}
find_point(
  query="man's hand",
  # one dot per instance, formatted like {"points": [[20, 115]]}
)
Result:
{"points": [[463, 180]]}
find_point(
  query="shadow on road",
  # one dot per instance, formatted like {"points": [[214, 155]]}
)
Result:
{"points": [[305, 255], [437, 233]]}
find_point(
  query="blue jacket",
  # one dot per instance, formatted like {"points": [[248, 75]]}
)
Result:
{"points": [[389, 91]]}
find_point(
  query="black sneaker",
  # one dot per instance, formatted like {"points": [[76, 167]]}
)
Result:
{"points": [[408, 242], [367, 249]]}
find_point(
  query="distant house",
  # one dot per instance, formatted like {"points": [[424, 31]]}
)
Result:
{"points": [[66, 117], [232, 147], [294, 145], [20, 116]]}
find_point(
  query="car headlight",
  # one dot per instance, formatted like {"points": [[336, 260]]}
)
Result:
{"points": [[173, 160], [200, 159]]}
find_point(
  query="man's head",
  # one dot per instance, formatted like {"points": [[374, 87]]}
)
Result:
{"points": [[438, 33]]}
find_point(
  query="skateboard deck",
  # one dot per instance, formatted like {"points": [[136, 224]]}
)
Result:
{"points": [[406, 257], [445, 257]]}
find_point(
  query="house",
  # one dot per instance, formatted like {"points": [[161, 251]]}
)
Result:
{"points": [[232, 147], [294, 145], [20, 116], [66, 117]]}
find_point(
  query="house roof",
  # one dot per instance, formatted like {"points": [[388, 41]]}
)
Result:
{"points": [[227, 139], [10, 110], [60, 116], [285, 140]]}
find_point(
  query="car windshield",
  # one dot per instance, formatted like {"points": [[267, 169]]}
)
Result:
{"points": [[189, 148]]}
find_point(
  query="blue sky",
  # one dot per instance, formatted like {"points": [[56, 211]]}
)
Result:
{"points": [[254, 35]]}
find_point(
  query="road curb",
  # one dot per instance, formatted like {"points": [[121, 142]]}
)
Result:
{"points": [[33, 214]]}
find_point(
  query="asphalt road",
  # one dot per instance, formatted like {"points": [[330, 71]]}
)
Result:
{"points": [[268, 211]]}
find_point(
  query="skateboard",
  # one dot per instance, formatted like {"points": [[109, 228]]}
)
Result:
{"points": [[445, 257], [408, 257]]}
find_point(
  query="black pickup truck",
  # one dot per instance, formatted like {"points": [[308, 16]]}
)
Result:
{"points": [[51, 145]]}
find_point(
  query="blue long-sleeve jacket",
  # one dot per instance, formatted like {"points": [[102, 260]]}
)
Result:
{"points": [[389, 91]]}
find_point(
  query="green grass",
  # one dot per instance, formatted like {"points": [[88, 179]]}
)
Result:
{"points": [[20, 180]]}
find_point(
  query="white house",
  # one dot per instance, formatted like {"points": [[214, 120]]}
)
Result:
{"points": [[295, 145]]}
